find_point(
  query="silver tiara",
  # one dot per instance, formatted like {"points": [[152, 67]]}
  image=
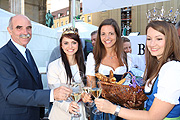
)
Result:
{"points": [[159, 14], [70, 30]]}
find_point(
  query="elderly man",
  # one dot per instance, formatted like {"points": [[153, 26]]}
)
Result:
{"points": [[21, 94]]}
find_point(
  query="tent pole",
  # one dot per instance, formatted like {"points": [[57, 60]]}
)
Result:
{"points": [[73, 13]]}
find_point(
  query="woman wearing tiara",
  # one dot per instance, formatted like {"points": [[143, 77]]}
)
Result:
{"points": [[162, 76], [61, 71]]}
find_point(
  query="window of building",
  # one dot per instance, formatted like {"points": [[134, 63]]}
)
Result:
{"points": [[57, 24], [66, 22], [67, 12], [61, 23], [89, 18], [82, 18], [59, 15]]}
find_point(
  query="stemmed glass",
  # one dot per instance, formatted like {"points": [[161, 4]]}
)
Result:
{"points": [[87, 89], [96, 92], [76, 87], [76, 96]]}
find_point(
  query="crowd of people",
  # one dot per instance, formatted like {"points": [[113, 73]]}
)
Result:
{"points": [[21, 92]]}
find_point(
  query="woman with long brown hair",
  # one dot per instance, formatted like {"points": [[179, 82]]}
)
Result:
{"points": [[64, 71], [107, 55], [162, 76]]}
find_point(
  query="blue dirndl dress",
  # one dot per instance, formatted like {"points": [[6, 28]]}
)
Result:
{"points": [[174, 113]]}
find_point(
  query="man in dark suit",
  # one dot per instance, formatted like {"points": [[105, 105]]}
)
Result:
{"points": [[21, 94]]}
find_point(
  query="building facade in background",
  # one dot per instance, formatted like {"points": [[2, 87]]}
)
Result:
{"points": [[34, 9], [130, 19], [61, 17]]}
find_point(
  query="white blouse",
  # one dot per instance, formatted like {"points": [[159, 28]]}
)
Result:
{"points": [[56, 77], [103, 69], [75, 73], [168, 83]]}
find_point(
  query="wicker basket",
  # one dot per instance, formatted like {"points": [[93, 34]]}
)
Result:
{"points": [[124, 95]]}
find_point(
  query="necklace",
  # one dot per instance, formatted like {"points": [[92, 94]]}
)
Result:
{"points": [[111, 57]]}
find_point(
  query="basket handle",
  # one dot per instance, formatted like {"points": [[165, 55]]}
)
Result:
{"points": [[127, 73]]}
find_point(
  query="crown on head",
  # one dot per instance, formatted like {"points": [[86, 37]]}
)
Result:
{"points": [[159, 14], [70, 30]]}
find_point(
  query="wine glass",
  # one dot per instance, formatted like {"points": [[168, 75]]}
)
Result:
{"points": [[76, 96], [76, 87], [96, 92], [77, 77], [68, 86], [77, 80], [87, 89]]}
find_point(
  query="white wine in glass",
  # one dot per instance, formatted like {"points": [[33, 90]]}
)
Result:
{"points": [[87, 89], [76, 96], [96, 92], [76, 87]]}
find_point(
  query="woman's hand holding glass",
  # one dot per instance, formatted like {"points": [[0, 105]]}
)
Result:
{"points": [[86, 95], [73, 107], [86, 98], [75, 96], [96, 92], [105, 106]]}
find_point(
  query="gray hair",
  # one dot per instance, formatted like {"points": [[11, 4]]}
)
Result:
{"points": [[10, 23]]}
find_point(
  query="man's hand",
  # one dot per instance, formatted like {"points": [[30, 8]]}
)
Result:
{"points": [[62, 93]]}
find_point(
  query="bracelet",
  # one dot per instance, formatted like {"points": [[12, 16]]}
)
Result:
{"points": [[118, 108]]}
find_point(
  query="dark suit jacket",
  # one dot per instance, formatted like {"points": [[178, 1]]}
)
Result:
{"points": [[21, 94]]}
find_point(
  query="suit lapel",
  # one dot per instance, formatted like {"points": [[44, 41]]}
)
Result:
{"points": [[21, 58]]}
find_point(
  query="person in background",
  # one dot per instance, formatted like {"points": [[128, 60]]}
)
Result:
{"points": [[89, 45], [87, 54], [177, 25], [55, 54], [161, 75], [21, 92], [138, 60], [126, 45], [94, 38], [62, 72], [93, 41], [107, 55]]}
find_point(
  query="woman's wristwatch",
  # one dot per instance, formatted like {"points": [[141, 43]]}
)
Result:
{"points": [[118, 108]]}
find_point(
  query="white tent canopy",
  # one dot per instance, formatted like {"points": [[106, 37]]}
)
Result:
{"points": [[43, 40], [91, 6], [84, 30]]}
